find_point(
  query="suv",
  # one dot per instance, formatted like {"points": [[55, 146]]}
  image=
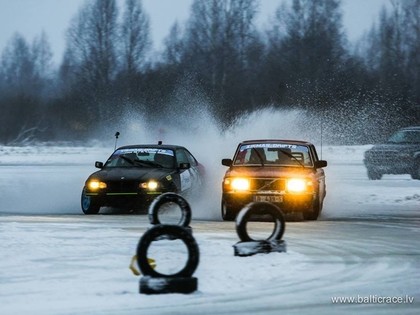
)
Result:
{"points": [[399, 155], [284, 172]]}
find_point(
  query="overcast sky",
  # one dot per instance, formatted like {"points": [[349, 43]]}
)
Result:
{"points": [[31, 17]]}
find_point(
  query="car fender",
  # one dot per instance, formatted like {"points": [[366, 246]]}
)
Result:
{"points": [[185, 177]]}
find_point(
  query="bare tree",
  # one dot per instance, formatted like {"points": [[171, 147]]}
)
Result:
{"points": [[307, 49], [135, 37], [91, 40], [174, 45], [90, 62], [219, 38]]}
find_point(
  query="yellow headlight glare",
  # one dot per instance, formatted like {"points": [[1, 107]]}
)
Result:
{"points": [[151, 185], [241, 184], [296, 185], [96, 184]]}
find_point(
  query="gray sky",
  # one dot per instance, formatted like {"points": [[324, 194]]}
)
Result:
{"points": [[31, 17]]}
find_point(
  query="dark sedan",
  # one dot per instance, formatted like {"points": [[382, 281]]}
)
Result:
{"points": [[134, 175]]}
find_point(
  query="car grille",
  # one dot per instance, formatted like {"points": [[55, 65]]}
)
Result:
{"points": [[382, 156], [271, 184], [123, 186]]}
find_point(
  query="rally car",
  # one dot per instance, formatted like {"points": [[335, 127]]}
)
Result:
{"points": [[135, 175], [286, 173]]}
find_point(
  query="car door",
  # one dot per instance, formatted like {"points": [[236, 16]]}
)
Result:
{"points": [[186, 179]]}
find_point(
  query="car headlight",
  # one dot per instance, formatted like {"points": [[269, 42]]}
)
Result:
{"points": [[151, 185], [240, 184], [296, 185], [96, 184]]}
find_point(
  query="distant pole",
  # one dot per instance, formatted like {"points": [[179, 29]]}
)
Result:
{"points": [[116, 139]]}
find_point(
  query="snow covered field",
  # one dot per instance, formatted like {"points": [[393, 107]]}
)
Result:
{"points": [[55, 260]]}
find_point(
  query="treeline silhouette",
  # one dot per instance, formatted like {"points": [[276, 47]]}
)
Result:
{"points": [[220, 61]]}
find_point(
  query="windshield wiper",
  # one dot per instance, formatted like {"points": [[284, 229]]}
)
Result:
{"points": [[293, 157]]}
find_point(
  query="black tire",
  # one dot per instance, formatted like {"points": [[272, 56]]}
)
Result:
{"points": [[88, 204], [173, 232], [228, 214], [415, 174], [170, 197], [150, 285], [260, 208], [316, 210], [373, 175]]}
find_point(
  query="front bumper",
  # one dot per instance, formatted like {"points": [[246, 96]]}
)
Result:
{"points": [[132, 200], [390, 166], [287, 202]]}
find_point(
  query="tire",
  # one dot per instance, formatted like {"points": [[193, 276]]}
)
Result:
{"points": [[260, 208], [416, 170], [314, 214], [88, 204], [227, 213], [150, 285], [170, 197], [174, 232], [373, 175]]}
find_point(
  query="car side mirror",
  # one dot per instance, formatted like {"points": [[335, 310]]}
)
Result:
{"points": [[320, 164], [184, 166], [227, 162], [99, 164]]}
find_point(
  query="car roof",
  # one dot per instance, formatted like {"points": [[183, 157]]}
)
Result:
{"points": [[152, 146], [276, 141], [411, 128]]}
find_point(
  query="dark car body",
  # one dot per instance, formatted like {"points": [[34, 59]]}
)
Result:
{"points": [[287, 173], [135, 175], [399, 155]]}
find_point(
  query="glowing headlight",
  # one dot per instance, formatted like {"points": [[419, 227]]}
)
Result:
{"points": [[240, 184], [151, 185], [296, 185], [95, 184]]}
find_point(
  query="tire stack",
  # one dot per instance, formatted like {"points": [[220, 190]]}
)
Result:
{"points": [[249, 246], [182, 281]]}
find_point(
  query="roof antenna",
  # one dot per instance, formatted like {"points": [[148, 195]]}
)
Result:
{"points": [[117, 134]]}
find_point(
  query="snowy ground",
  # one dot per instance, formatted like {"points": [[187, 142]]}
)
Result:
{"points": [[57, 261]]}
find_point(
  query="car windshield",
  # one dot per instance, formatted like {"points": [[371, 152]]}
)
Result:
{"points": [[142, 157], [273, 154], [405, 136]]}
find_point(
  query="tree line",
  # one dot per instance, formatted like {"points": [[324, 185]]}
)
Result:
{"points": [[218, 60]]}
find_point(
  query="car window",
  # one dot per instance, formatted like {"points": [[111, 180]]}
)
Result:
{"points": [[141, 157], [191, 159], [405, 136], [275, 154], [181, 156]]}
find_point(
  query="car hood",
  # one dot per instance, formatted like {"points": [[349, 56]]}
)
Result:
{"points": [[268, 172], [131, 173]]}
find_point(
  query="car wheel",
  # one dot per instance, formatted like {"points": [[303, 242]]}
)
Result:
{"points": [[316, 210], [227, 213], [89, 206], [373, 175], [416, 171]]}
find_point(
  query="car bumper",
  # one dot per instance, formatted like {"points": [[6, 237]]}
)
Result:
{"points": [[399, 166], [288, 203], [135, 200]]}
